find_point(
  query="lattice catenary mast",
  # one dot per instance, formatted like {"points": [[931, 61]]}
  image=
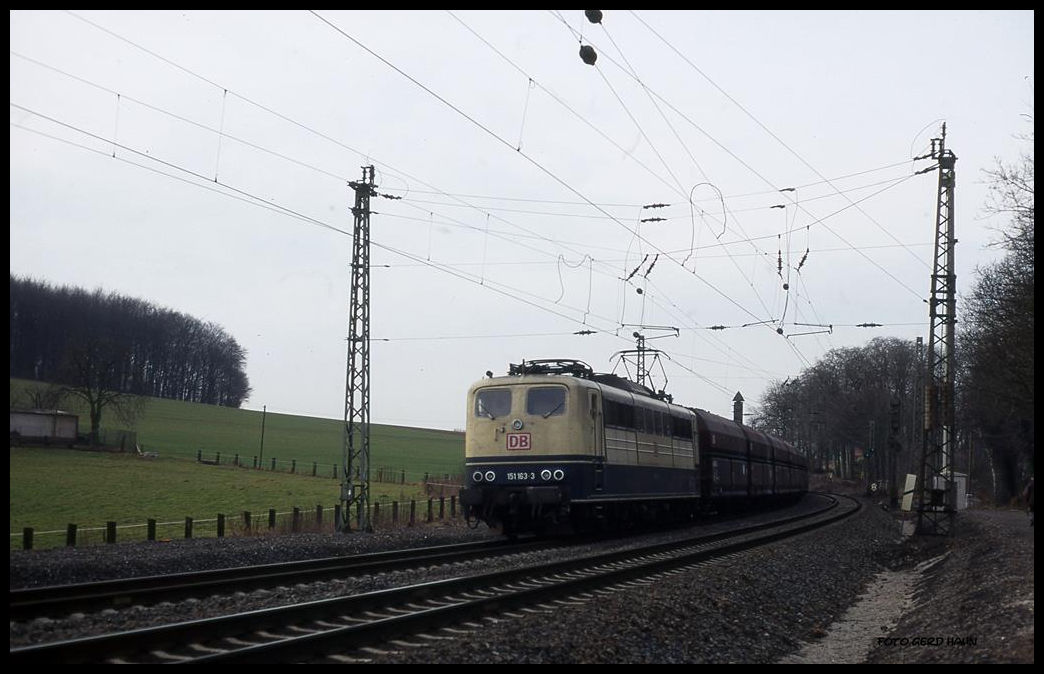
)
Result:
{"points": [[643, 374], [937, 503], [355, 457]]}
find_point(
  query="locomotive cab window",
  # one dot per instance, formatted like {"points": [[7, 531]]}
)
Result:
{"points": [[493, 403], [546, 401]]}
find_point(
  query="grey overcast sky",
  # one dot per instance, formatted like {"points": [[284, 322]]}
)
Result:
{"points": [[200, 159]]}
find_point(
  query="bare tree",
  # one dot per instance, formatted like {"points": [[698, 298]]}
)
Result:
{"points": [[93, 366], [843, 403], [996, 386], [46, 397]]}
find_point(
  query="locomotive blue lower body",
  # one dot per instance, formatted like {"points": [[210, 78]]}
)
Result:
{"points": [[579, 491]]}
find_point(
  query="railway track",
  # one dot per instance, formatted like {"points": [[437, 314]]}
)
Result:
{"points": [[325, 630], [56, 600]]}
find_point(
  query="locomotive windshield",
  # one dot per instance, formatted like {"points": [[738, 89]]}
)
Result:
{"points": [[545, 401], [493, 403]]}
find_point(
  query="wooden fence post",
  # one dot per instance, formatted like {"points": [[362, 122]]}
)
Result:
{"points": [[295, 524], [188, 527], [395, 513], [110, 532], [273, 463], [27, 538], [70, 536], [246, 520], [318, 516], [337, 516], [442, 508], [413, 511], [217, 458], [271, 518], [221, 525], [150, 530], [293, 465], [429, 511], [315, 468]]}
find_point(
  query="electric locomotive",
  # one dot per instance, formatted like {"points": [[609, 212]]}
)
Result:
{"points": [[554, 443]]}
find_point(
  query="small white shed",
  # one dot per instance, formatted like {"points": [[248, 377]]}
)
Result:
{"points": [[48, 425]]}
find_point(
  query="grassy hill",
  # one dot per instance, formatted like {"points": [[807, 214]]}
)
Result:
{"points": [[175, 428], [50, 488]]}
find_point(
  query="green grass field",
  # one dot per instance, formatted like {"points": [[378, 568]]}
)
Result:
{"points": [[175, 428], [51, 488]]}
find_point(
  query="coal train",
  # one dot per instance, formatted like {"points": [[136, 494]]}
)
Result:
{"points": [[554, 445]]}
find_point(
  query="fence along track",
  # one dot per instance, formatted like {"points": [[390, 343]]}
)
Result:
{"points": [[347, 623], [276, 519]]}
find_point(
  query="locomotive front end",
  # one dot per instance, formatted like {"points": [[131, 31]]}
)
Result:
{"points": [[529, 448]]}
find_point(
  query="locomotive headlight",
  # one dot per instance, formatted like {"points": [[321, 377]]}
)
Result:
{"points": [[545, 475], [517, 424], [559, 474], [476, 476], [490, 476]]}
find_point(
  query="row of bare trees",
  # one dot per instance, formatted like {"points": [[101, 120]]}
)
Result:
{"points": [[106, 348], [869, 398], [858, 402], [996, 339]]}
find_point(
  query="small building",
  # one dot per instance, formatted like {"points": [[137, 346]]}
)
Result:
{"points": [[44, 426], [960, 485]]}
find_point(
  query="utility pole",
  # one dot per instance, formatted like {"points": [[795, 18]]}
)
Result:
{"points": [[935, 513], [895, 446], [261, 454], [355, 456], [871, 448]]}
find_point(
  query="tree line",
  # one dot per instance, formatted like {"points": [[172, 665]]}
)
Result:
{"points": [[869, 398], [857, 406], [101, 345], [995, 343]]}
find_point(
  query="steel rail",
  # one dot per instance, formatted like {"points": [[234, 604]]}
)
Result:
{"points": [[497, 590], [52, 600]]}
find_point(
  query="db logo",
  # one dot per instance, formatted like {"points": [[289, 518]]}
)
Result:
{"points": [[518, 441]]}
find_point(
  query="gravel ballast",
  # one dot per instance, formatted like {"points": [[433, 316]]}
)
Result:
{"points": [[753, 607], [758, 607]]}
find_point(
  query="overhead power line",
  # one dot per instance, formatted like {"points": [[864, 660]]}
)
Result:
{"points": [[221, 134], [765, 128], [535, 163], [762, 177]]}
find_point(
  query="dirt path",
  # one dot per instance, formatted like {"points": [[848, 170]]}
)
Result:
{"points": [[966, 599]]}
